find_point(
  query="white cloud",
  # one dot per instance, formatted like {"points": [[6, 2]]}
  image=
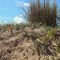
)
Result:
{"points": [[5, 21], [20, 4], [18, 19], [26, 4]]}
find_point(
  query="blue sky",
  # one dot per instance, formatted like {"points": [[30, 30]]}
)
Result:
{"points": [[11, 12]]}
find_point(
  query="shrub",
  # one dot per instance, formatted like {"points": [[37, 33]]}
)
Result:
{"points": [[17, 27], [51, 32]]}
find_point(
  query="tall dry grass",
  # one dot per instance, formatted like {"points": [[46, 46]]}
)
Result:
{"points": [[42, 13]]}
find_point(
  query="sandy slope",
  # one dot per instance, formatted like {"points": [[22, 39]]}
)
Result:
{"points": [[19, 47]]}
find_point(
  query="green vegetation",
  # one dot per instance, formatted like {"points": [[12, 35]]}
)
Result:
{"points": [[51, 32]]}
